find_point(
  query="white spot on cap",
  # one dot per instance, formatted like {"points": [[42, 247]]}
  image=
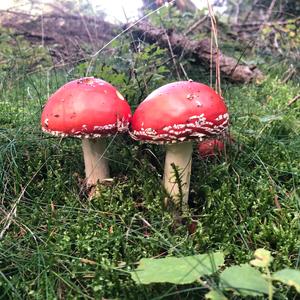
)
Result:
{"points": [[120, 95], [220, 117], [190, 96]]}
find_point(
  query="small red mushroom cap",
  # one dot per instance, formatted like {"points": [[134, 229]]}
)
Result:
{"points": [[178, 112], [87, 107], [210, 148]]}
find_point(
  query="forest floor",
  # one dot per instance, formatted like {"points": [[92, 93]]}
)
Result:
{"points": [[57, 244]]}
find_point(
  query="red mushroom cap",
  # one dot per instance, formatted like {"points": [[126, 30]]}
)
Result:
{"points": [[211, 147], [178, 112], [88, 107]]}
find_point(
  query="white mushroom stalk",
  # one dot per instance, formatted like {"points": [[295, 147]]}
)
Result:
{"points": [[95, 162], [177, 172]]}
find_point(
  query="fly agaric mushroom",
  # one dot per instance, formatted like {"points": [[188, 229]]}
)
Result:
{"points": [[90, 109], [175, 114], [211, 148]]}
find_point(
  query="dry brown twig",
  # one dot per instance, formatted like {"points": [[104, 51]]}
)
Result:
{"points": [[8, 219], [289, 74], [173, 56], [294, 100], [214, 44], [196, 24]]}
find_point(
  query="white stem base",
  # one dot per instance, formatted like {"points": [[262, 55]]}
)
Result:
{"points": [[181, 156], [96, 166]]}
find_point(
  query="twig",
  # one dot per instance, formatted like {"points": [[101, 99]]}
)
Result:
{"points": [[276, 201], [289, 74], [214, 38], [173, 56], [13, 212], [195, 25], [184, 71], [294, 100], [9, 217]]}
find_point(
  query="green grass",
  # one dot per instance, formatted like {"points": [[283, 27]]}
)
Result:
{"points": [[60, 245]]}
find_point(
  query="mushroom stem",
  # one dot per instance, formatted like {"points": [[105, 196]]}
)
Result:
{"points": [[96, 166], [177, 180]]}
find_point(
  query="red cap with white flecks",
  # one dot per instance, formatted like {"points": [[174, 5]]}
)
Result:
{"points": [[178, 112], [86, 108]]}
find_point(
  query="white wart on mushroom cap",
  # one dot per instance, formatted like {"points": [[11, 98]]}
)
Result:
{"points": [[178, 112]]}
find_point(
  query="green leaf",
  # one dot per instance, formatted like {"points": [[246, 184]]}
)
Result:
{"points": [[175, 270], [244, 279], [263, 258], [288, 276], [215, 295]]}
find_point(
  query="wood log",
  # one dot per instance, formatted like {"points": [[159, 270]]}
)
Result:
{"points": [[199, 50], [67, 36]]}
